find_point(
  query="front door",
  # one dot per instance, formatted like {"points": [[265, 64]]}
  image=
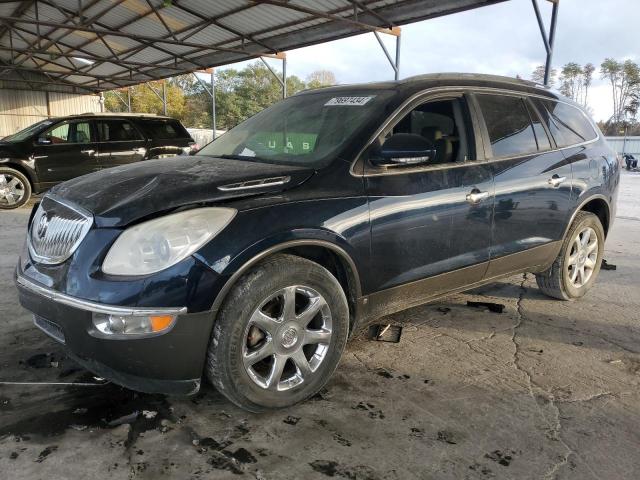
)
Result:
{"points": [[430, 224], [64, 151], [532, 182], [120, 143]]}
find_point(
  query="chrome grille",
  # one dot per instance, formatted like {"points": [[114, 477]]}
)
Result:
{"points": [[56, 230]]}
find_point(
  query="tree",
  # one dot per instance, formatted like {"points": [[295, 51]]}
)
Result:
{"points": [[538, 75], [588, 70], [144, 100], [321, 78], [239, 95], [571, 81], [624, 78]]}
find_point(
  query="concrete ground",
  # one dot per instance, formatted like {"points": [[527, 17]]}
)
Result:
{"points": [[546, 389]]}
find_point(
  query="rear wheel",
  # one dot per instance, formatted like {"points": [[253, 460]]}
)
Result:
{"points": [[15, 189], [279, 334], [578, 263]]}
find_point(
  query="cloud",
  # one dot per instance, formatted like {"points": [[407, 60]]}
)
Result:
{"points": [[501, 39]]}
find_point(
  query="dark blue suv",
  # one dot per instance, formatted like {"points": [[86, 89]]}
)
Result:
{"points": [[252, 262]]}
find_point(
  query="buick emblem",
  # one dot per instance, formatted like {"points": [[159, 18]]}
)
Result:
{"points": [[43, 224]]}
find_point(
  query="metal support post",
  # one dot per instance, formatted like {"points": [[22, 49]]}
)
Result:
{"points": [[548, 40], [164, 96], [212, 94], [213, 103], [129, 98], [282, 80], [119, 97], [284, 76], [395, 63]]}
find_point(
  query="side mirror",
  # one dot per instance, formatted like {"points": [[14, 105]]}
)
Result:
{"points": [[44, 141], [404, 149]]}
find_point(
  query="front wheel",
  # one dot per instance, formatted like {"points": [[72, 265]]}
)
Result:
{"points": [[15, 189], [279, 334], [575, 269]]}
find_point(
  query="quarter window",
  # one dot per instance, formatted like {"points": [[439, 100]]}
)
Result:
{"points": [[567, 124], [165, 129], [117, 131], [508, 125]]}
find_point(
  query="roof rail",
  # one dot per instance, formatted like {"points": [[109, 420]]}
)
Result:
{"points": [[119, 114]]}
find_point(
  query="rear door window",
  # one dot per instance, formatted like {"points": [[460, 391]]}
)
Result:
{"points": [[567, 124], [508, 125], [117, 131]]}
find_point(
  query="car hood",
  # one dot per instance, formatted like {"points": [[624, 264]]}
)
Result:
{"points": [[121, 195]]}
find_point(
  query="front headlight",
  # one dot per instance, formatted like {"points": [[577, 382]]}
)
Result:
{"points": [[160, 243]]}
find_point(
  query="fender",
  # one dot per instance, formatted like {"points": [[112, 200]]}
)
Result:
{"points": [[580, 206], [24, 166], [252, 255]]}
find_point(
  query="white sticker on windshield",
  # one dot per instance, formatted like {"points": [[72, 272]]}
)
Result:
{"points": [[349, 101]]}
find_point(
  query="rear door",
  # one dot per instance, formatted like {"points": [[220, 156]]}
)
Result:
{"points": [[65, 150], [572, 131], [431, 225], [120, 142], [532, 183]]}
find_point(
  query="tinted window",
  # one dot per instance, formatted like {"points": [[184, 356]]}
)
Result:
{"points": [[508, 124], [116, 131], [165, 129], [68, 132], [567, 124]]}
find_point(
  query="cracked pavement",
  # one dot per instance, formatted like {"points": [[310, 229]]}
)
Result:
{"points": [[545, 390]]}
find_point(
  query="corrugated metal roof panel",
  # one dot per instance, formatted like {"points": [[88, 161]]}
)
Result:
{"points": [[7, 9], [212, 35], [262, 17], [277, 26]]}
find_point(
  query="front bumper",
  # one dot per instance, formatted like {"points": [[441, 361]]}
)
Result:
{"points": [[169, 363]]}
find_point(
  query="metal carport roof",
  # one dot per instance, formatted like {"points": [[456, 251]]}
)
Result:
{"points": [[97, 45]]}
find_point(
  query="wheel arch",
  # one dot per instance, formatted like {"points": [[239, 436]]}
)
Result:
{"points": [[599, 206], [23, 170], [327, 254]]}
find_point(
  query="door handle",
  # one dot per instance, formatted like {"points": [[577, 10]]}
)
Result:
{"points": [[88, 152], [556, 180], [476, 196], [139, 150]]}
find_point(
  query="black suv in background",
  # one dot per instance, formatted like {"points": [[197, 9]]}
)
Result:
{"points": [[58, 149]]}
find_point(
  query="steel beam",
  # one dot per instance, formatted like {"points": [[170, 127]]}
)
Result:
{"points": [[548, 40], [552, 41], [282, 80], [395, 64]]}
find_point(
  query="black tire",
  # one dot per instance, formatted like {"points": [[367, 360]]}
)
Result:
{"points": [[225, 367], [556, 282], [10, 175]]}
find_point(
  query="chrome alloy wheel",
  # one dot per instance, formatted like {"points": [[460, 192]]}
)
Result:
{"points": [[287, 338], [582, 257], [12, 190]]}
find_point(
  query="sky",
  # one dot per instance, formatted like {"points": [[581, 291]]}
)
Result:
{"points": [[502, 39]]}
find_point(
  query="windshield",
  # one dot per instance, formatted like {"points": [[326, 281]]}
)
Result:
{"points": [[306, 129], [27, 132]]}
